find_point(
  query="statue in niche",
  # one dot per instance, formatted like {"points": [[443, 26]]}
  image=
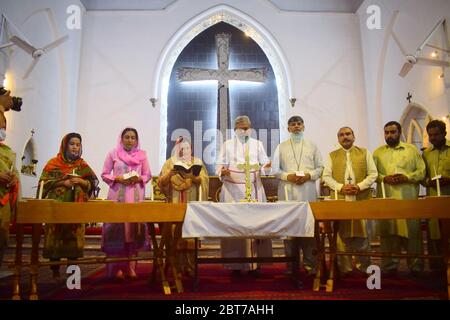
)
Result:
{"points": [[29, 158]]}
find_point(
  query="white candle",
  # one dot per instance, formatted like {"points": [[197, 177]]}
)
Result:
{"points": [[383, 190], [200, 193], [151, 190], [438, 187], [335, 194], [41, 189], [286, 195]]}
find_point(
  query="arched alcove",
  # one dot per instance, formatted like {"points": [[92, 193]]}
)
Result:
{"points": [[201, 22], [414, 121]]}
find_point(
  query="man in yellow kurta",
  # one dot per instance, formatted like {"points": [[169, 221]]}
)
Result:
{"points": [[351, 171], [181, 187], [9, 183], [401, 168], [437, 161]]}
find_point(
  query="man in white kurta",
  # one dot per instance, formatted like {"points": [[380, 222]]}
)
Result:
{"points": [[351, 170], [297, 163], [232, 155]]}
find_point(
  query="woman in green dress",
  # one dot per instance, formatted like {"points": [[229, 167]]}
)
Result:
{"points": [[68, 178]]}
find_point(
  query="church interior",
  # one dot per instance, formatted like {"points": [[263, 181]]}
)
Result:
{"points": [[181, 68]]}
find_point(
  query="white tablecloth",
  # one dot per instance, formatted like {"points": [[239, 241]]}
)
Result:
{"points": [[248, 220]]}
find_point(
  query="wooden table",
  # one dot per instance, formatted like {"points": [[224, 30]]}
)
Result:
{"points": [[334, 211], [37, 212]]}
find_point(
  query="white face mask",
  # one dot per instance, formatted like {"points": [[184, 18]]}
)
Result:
{"points": [[242, 134], [297, 136], [2, 134]]}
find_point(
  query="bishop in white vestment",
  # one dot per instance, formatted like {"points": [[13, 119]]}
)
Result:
{"points": [[232, 156]]}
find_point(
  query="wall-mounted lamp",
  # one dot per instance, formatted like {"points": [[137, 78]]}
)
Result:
{"points": [[292, 101], [4, 81], [153, 101], [441, 76], [435, 54]]}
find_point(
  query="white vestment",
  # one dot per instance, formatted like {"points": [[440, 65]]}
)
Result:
{"points": [[297, 156], [231, 155]]}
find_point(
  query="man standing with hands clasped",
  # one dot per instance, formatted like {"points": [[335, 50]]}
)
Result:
{"points": [[350, 170]]}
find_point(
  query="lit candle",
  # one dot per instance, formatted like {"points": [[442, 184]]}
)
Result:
{"points": [[286, 194], [335, 194], [200, 193], [383, 190], [41, 189]]}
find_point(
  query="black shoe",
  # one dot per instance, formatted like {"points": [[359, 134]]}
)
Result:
{"points": [[254, 273], [235, 273]]}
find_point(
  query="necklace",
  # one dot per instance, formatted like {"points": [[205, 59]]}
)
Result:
{"points": [[295, 156]]}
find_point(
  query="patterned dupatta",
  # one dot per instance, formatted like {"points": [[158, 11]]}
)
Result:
{"points": [[60, 166]]}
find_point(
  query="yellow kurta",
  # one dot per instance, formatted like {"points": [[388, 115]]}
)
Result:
{"points": [[404, 159], [437, 163]]}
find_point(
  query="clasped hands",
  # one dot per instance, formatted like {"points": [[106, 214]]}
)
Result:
{"points": [[71, 181], [443, 181], [397, 178], [350, 189], [298, 179], [8, 179]]}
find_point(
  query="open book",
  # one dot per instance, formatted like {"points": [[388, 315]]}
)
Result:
{"points": [[130, 175], [186, 168]]}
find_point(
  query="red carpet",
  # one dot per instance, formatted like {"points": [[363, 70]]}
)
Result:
{"points": [[216, 283]]}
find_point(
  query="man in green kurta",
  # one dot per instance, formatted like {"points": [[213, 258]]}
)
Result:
{"points": [[9, 183], [401, 169], [437, 161], [350, 171]]}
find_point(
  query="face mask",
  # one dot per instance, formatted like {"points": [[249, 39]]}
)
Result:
{"points": [[297, 136], [2, 134], [242, 134], [72, 156]]}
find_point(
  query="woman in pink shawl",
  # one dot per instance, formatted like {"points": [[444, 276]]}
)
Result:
{"points": [[125, 239]]}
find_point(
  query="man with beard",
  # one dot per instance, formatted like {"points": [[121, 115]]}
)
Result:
{"points": [[351, 171], [400, 169], [437, 161], [298, 164]]}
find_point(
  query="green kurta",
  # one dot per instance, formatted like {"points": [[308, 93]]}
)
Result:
{"points": [[7, 159], [404, 159], [437, 163]]}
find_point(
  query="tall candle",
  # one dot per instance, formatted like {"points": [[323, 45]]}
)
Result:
{"points": [[383, 190], [41, 189], [151, 190], [286, 197], [200, 193], [335, 194], [438, 187]]}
